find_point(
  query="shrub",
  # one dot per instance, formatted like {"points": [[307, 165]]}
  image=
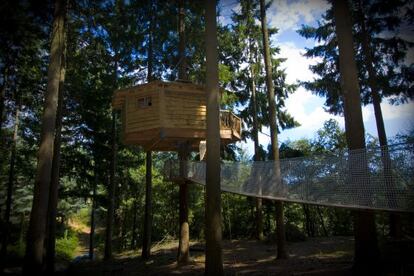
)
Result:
{"points": [[66, 246]]}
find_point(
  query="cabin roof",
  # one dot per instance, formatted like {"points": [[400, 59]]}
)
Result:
{"points": [[119, 95]]}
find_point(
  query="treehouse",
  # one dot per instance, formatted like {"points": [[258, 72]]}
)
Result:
{"points": [[160, 116]]}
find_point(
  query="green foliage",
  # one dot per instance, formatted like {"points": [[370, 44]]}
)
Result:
{"points": [[385, 27], [245, 57], [66, 246]]}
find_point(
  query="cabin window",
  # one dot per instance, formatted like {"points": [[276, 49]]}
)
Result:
{"points": [[144, 102]]}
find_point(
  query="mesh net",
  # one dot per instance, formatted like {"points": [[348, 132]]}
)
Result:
{"points": [[381, 178]]}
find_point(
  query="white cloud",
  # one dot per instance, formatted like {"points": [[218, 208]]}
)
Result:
{"points": [[405, 111], [296, 65], [287, 15]]}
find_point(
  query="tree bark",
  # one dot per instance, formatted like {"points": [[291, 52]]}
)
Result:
{"points": [[134, 224], [395, 219], [55, 177], [92, 221], [214, 255], [150, 58], [257, 157], [11, 181], [182, 68], [183, 256], [146, 244], [366, 248], [111, 188], [2, 100], [325, 232], [111, 194], [37, 225], [280, 225]]}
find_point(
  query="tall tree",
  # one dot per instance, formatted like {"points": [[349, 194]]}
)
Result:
{"points": [[366, 249], [183, 256], [91, 253], [55, 177], [11, 180], [146, 245], [249, 82], [384, 28], [184, 234], [3, 88], [111, 187], [37, 224], [280, 225], [395, 219], [214, 255], [111, 190]]}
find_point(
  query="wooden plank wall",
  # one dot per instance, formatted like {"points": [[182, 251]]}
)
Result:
{"points": [[138, 119], [184, 109]]}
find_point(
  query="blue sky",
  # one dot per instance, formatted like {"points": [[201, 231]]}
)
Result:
{"points": [[307, 108]]}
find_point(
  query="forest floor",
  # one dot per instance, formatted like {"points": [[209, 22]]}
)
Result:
{"points": [[316, 256]]}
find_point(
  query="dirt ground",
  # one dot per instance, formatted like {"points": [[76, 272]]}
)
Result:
{"points": [[316, 256]]}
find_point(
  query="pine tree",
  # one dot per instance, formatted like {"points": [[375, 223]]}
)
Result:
{"points": [[213, 232], [280, 224], [366, 248], [37, 225]]}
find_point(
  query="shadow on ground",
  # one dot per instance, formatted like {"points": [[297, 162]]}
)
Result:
{"points": [[318, 256]]}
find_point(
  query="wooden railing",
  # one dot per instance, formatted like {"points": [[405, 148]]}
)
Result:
{"points": [[230, 121]]}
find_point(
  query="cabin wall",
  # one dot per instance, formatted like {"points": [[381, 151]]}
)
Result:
{"points": [[184, 109], [139, 116]]}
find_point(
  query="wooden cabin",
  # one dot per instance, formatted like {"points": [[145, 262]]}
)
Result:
{"points": [[160, 116]]}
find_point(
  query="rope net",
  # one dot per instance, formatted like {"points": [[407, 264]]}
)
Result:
{"points": [[381, 178]]}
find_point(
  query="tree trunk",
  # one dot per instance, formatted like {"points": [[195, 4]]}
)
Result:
{"points": [[395, 219], [92, 221], [11, 181], [307, 219], [280, 225], [366, 248], [117, 218], [111, 189], [54, 183], [184, 239], [111, 194], [124, 228], [150, 58], [2, 100], [182, 68], [146, 244], [183, 255], [134, 224], [37, 224], [325, 232], [257, 157], [214, 254]]}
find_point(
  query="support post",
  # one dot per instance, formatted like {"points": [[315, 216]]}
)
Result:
{"points": [[146, 244], [183, 256]]}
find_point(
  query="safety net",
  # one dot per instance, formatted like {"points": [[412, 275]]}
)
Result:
{"points": [[380, 178]]}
